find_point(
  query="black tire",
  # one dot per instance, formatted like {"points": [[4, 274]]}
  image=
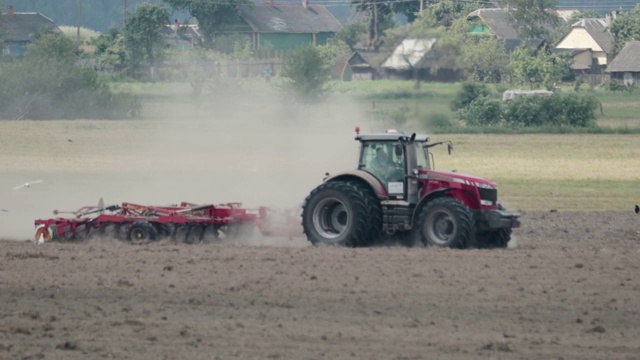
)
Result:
{"points": [[446, 222], [141, 231], [335, 213], [494, 239], [374, 233]]}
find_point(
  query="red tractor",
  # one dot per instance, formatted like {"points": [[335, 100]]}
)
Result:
{"points": [[396, 192]]}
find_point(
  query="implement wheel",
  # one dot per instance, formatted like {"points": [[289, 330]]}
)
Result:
{"points": [[141, 231], [335, 213]]}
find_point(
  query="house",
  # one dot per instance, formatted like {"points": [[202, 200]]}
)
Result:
{"points": [[177, 36], [495, 22], [286, 26], [415, 59], [17, 29], [591, 35], [360, 65], [626, 65]]}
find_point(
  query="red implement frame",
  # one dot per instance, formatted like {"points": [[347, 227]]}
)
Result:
{"points": [[193, 220]]}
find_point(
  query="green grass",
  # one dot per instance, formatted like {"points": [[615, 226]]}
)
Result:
{"points": [[543, 172]]}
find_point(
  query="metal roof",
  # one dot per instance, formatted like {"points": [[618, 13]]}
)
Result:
{"points": [[22, 27], [409, 54], [391, 136], [601, 6], [627, 60], [289, 18]]}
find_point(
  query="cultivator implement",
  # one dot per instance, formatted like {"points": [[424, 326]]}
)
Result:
{"points": [[186, 222]]}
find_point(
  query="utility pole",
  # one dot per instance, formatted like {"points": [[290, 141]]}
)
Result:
{"points": [[421, 6], [124, 19], [79, 21]]}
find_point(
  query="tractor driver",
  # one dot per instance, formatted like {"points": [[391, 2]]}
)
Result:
{"points": [[382, 165]]}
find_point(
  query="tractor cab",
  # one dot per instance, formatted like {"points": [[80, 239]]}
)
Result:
{"points": [[396, 160]]}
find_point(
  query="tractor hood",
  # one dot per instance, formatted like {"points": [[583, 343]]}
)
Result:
{"points": [[458, 178]]}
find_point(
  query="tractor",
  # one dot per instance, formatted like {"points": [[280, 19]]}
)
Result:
{"points": [[395, 192]]}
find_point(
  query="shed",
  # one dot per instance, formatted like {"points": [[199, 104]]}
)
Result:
{"points": [[626, 66], [357, 66]]}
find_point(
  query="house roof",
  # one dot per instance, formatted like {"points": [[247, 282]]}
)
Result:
{"points": [[627, 59], [597, 28], [497, 21], [371, 57], [409, 54], [24, 26], [289, 18]]}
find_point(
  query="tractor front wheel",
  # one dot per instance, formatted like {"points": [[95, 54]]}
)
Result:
{"points": [[335, 213], [446, 222], [494, 239]]}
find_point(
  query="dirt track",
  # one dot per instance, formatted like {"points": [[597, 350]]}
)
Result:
{"points": [[569, 290]]}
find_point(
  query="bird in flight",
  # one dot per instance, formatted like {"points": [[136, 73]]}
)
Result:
{"points": [[27, 184]]}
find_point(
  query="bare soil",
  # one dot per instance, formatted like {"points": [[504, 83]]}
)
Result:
{"points": [[567, 288]]}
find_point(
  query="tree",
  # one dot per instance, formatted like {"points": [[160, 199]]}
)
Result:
{"points": [[352, 34], [484, 58], [532, 18], [212, 15], [528, 68], [307, 70], [110, 48], [626, 27], [380, 16], [142, 33]]}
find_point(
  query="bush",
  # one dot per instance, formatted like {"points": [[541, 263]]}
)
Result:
{"points": [[438, 120], [307, 71], [469, 93], [580, 110], [615, 85], [556, 110], [46, 84], [483, 111]]}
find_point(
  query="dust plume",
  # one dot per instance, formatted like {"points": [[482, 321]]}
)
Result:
{"points": [[236, 145]]}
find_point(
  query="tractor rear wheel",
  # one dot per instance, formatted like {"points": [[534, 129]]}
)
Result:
{"points": [[141, 231], [372, 203], [446, 222], [335, 213]]}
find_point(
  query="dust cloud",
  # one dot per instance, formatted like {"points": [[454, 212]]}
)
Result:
{"points": [[236, 145]]}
